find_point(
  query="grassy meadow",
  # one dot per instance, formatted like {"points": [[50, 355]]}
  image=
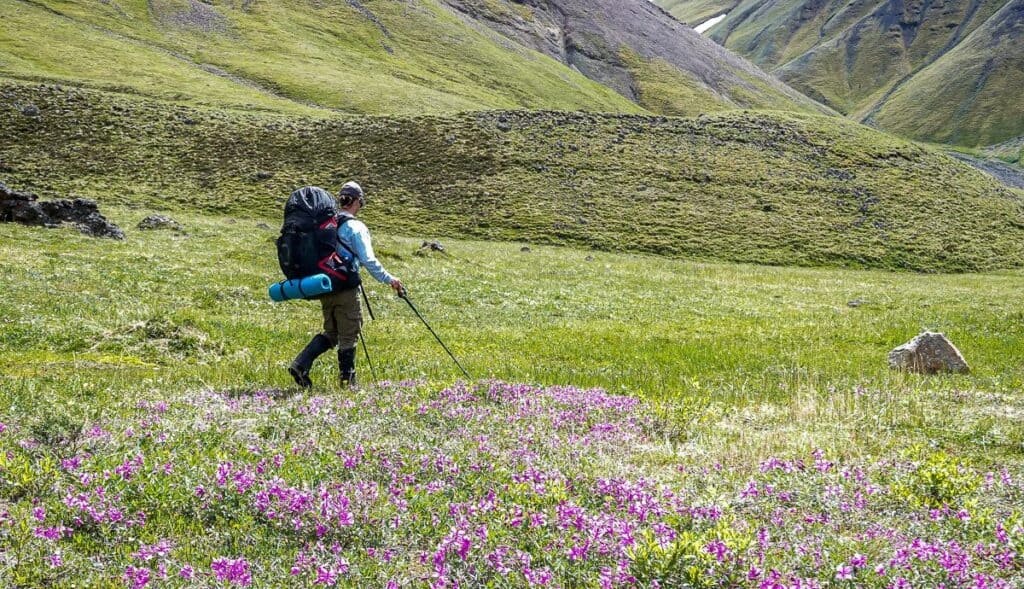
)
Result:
{"points": [[773, 357], [746, 429]]}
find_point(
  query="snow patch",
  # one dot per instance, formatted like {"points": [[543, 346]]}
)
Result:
{"points": [[709, 23]]}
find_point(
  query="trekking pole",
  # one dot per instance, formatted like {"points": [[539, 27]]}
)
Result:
{"points": [[366, 351], [405, 296], [367, 299]]}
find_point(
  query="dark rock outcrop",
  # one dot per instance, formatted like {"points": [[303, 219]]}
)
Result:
{"points": [[27, 209]]}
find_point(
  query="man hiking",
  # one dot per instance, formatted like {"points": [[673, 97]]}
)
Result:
{"points": [[343, 315]]}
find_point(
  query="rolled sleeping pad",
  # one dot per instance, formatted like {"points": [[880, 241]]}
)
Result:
{"points": [[300, 288]]}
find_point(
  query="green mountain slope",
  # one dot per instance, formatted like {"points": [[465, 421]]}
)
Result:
{"points": [[857, 56], [379, 56], [966, 96], [287, 54], [766, 188]]}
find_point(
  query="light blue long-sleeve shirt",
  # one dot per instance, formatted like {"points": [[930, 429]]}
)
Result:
{"points": [[356, 236]]}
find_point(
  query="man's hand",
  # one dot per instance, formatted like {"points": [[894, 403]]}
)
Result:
{"points": [[399, 288]]}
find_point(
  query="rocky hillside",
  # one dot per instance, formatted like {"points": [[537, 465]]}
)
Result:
{"points": [[639, 50], [380, 56], [945, 71], [765, 188]]}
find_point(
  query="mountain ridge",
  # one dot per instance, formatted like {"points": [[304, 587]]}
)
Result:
{"points": [[874, 60]]}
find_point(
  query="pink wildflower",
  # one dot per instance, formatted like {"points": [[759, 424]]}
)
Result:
{"points": [[235, 572], [718, 549], [326, 576], [136, 578], [844, 572]]}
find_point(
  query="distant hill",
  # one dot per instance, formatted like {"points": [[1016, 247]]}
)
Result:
{"points": [[382, 56], [973, 95], [947, 71], [765, 188], [640, 51]]}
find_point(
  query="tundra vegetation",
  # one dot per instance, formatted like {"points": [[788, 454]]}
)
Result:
{"points": [[687, 423], [678, 326]]}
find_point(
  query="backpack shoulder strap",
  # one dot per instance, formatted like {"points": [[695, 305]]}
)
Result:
{"points": [[341, 220]]}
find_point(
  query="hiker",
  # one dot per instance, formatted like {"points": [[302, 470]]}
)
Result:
{"points": [[343, 315]]}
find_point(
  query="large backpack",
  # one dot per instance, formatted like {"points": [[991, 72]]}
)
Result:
{"points": [[308, 243]]}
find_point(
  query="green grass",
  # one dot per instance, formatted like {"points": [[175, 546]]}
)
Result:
{"points": [[86, 56], [694, 12], [767, 359], [162, 360], [763, 188], [664, 89]]}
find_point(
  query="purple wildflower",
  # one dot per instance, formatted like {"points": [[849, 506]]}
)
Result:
{"points": [[844, 572], [234, 571]]}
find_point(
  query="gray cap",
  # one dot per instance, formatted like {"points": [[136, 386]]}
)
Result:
{"points": [[352, 190]]}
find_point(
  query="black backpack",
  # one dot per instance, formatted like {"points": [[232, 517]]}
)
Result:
{"points": [[308, 243]]}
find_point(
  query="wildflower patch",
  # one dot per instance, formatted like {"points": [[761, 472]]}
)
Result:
{"points": [[486, 484]]}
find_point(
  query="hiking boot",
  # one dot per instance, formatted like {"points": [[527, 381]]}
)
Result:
{"points": [[347, 368], [299, 368]]}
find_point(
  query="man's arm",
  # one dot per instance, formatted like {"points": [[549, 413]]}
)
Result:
{"points": [[363, 249]]}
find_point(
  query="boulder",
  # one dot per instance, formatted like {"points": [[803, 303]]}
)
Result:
{"points": [[928, 353], [429, 247], [159, 222], [83, 214]]}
